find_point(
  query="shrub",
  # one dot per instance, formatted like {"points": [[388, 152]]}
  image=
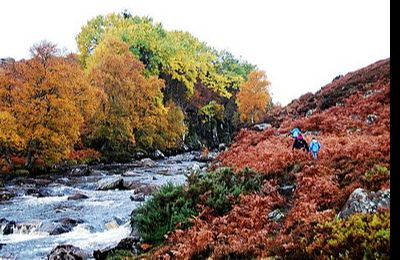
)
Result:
{"points": [[162, 213], [376, 177], [172, 206], [119, 254], [361, 236]]}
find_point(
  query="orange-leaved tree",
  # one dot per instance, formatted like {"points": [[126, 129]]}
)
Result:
{"points": [[44, 101], [253, 97], [132, 114]]}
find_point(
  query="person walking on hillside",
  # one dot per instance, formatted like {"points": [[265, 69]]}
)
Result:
{"points": [[295, 132], [314, 148], [299, 142]]}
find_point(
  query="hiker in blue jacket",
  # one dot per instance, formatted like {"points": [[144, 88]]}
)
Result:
{"points": [[314, 148], [295, 132]]}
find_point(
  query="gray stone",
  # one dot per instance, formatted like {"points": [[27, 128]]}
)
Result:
{"points": [[276, 215], [261, 127], [5, 195], [137, 197], [64, 252], [158, 155], [147, 162], [287, 190], [78, 196], [362, 201], [61, 226], [111, 184], [6, 226], [371, 118]]}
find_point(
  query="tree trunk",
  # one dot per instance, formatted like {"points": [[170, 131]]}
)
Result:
{"points": [[29, 160]]}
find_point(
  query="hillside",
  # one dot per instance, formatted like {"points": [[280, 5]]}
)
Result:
{"points": [[295, 213]]}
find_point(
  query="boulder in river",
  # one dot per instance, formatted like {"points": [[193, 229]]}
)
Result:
{"points": [[69, 252], [62, 226], [157, 154], [138, 197], [78, 196], [147, 162], [5, 195], [39, 193], [111, 184], [6, 226]]}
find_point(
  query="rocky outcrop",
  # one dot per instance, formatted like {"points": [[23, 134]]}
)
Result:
{"points": [[69, 252], [362, 201]]}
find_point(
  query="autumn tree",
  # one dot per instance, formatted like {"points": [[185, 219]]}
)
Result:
{"points": [[44, 101], [177, 57], [132, 113], [253, 97]]}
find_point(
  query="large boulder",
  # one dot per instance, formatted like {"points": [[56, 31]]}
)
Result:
{"points": [[64, 252], [111, 184], [362, 201], [61, 226]]}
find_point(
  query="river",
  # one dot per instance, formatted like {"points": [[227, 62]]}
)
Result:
{"points": [[37, 213]]}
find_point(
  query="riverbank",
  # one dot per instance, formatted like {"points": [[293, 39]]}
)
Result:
{"points": [[88, 206]]}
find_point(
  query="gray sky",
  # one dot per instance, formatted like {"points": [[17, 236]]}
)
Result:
{"points": [[302, 45]]}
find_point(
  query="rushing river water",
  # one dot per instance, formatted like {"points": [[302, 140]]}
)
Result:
{"points": [[99, 221]]}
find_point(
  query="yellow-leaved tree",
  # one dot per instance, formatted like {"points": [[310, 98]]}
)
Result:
{"points": [[253, 97], [132, 113]]}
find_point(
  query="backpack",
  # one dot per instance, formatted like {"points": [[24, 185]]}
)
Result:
{"points": [[315, 146]]}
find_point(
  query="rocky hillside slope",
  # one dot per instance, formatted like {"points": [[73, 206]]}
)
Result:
{"points": [[336, 206]]}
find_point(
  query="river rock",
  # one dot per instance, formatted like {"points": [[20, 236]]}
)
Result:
{"points": [[157, 154], [78, 196], [362, 201], [61, 226], [81, 171], [64, 252], [5, 195], [138, 197], [113, 224], [131, 243], [147, 162], [146, 189], [6, 226], [39, 193], [111, 184]]}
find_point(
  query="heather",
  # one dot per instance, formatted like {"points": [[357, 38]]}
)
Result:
{"points": [[350, 117]]}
